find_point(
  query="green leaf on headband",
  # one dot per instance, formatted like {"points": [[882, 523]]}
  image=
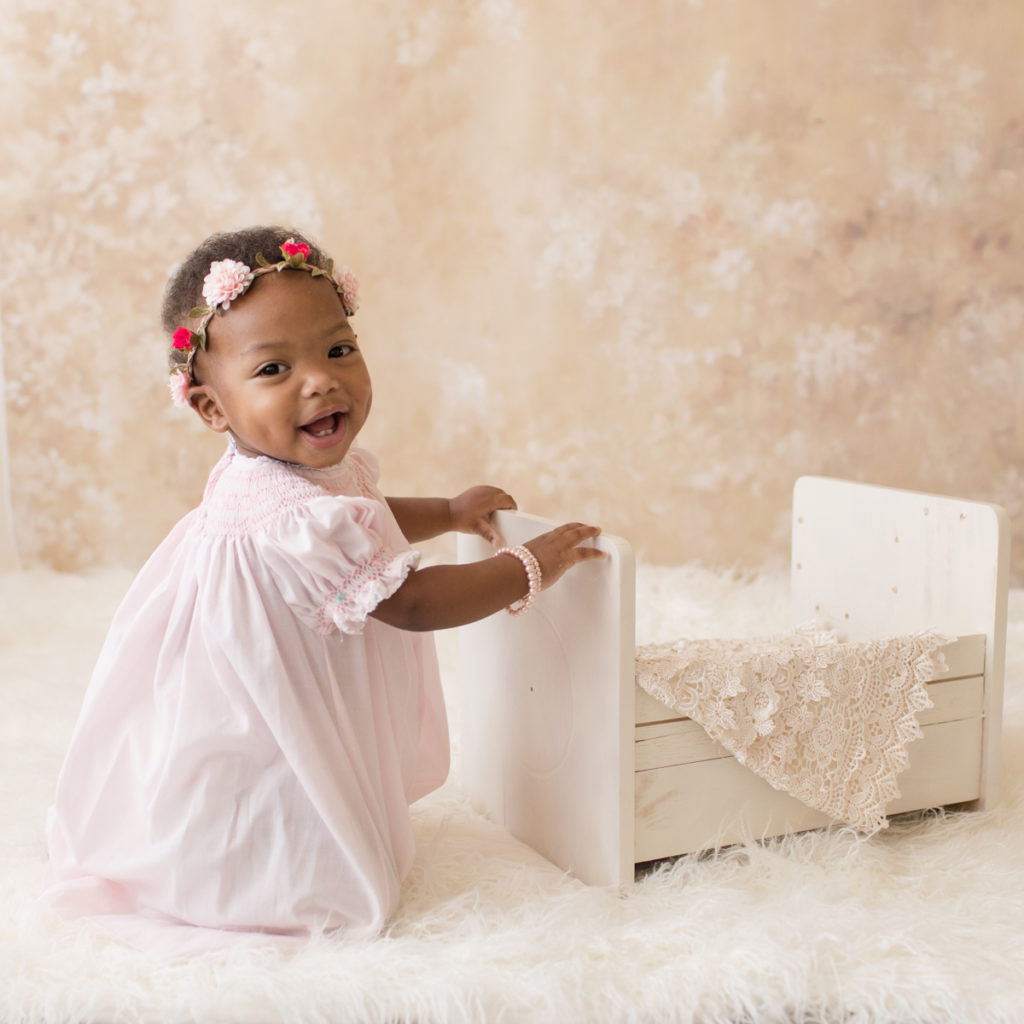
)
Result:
{"points": [[329, 267], [316, 272], [198, 312], [262, 260]]}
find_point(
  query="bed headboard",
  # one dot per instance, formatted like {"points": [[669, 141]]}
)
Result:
{"points": [[875, 561]]}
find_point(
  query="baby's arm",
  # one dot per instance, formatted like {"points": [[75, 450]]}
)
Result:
{"points": [[442, 596], [469, 512]]}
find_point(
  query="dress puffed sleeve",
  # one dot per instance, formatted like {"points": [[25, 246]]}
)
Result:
{"points": [[333, 559]]}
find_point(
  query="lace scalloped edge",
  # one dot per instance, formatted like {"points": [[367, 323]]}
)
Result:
{"points": [[348, 606], [662, 670]]}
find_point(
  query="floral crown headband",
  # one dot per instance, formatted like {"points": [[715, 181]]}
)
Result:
{"points": [[226, 281]]}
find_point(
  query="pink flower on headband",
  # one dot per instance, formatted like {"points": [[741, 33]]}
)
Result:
{"points": [[226, 280], [182, 338], [293, 248], [179, 385], [348, 287]]}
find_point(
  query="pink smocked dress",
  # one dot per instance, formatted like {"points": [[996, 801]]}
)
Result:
{"points": [[250, 740]]}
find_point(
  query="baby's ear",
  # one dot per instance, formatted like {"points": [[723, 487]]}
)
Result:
{"points": [[205, 403]]}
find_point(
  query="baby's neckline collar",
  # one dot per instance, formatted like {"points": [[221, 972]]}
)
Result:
{"points": [[234, 450]]}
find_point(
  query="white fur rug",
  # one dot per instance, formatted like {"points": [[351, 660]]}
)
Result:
{"points": [[924, 922]]}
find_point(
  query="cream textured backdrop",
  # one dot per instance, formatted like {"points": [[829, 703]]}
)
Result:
{"points": [[642, 263]]}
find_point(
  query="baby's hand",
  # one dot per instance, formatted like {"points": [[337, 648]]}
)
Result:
{"points": [[472, 511], [559, 550]]}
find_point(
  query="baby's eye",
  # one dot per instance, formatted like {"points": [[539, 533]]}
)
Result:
{"points": [[341, 350], [271, 369]]}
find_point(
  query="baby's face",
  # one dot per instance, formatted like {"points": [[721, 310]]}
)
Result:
{"points": [[284, 373]]}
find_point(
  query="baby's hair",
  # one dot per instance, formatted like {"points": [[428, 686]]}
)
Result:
{"points": [[184, 289]]}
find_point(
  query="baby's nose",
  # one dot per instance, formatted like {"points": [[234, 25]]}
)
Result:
{"points": [[318, 381]]}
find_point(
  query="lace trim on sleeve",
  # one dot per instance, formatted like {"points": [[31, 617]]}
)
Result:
{"points": [[347, 607], [824, 720]]}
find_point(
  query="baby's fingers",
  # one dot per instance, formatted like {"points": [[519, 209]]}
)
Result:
{"points": [[579, 532], [560, 549], [577, 536], [486, 529], [574, 534], [582, 554], [473, 511]]}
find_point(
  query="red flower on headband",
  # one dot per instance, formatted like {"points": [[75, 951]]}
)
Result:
{"points": [[293, 248], [182, 338]]}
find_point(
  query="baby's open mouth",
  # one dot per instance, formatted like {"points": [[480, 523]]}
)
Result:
{"points": [[325, 426]]}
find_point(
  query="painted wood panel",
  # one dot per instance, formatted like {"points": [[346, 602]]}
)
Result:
{"points": [[688, 807]]}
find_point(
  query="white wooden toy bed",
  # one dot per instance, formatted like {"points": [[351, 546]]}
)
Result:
{"points": [[562, 749]]}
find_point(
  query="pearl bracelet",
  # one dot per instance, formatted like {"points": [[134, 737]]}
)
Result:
{"points": [[533, 576]]}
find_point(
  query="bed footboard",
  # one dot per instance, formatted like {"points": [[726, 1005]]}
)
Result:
{"points": [[547, 711]]}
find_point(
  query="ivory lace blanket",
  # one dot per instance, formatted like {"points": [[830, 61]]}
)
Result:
{"points": [[827, 721]]}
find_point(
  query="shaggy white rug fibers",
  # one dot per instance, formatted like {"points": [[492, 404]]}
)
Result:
{"points": [[924, 922]]}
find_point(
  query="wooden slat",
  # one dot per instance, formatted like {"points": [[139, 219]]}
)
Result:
{"points": [[965, 657], [695, 806], [680, 742], [954, 699]]}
